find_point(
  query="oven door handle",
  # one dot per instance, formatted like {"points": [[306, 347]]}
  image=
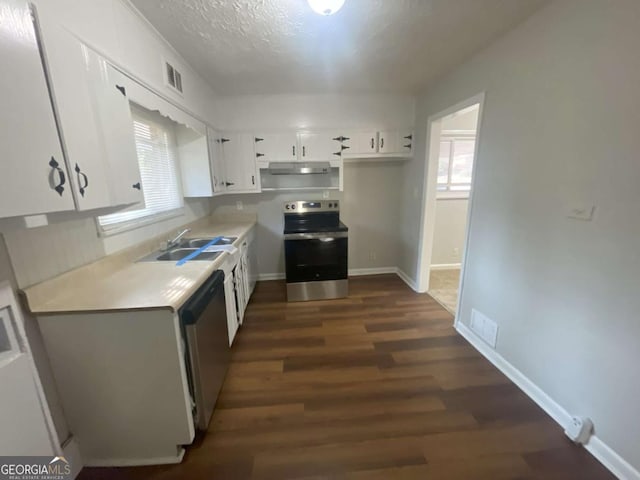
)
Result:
{"points": [[323, 236]]}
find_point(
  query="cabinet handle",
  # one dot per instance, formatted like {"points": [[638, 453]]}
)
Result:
{"points": [[304, 150], [259, 155], [344, 147], [123, 90], [409, 137], [55, 168], [372, 143], [253, 180], [79, 174], [258, 139], [228, 183], [382, 142], [137, 186], [224, 140], [408, 146], [339, 154], [293, 149]]}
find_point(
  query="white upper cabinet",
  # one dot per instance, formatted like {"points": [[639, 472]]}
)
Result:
{"points": [[216, 161], [276, 147], [116, 126], [239, 162], [318, 147], [383, 143], [95, 121], [36, 180]]}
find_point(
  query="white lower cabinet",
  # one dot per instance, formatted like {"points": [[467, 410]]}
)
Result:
{"points": [[240, 279], [36, 179]]}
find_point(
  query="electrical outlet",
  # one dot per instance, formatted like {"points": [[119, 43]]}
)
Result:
{"points": [[325, 194], [239, 205]]}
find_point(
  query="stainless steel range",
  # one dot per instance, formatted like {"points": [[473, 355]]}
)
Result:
{"points": [[315, 250]]}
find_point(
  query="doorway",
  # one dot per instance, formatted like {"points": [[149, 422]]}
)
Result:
{"points": [[451, 152]]}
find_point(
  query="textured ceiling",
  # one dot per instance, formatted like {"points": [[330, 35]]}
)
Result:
{"points": [[282, 46]]}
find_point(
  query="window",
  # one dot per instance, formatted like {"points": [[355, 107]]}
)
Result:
{"points": [[157, 157], [455, 164]]}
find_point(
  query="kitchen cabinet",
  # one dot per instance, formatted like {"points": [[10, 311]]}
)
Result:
{"points": [[316, 147], [95, 121], [32, 160], [216, 160], [239, 162], [278, 147], [383, 144]]}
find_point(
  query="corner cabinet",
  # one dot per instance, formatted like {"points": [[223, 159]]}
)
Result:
{"points": [[36, 179]]}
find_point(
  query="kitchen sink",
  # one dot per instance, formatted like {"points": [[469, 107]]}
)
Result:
{"points": [[201, 242], [178, 254]]}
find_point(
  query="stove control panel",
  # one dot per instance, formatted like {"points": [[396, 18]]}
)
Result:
{"points": [[305, 206]]}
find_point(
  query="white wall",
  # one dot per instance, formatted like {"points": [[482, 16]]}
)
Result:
{"points": [[559, 127], [450, 225], [467, 120]]}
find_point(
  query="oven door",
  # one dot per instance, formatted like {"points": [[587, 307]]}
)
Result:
{"points": [[313, 257]]}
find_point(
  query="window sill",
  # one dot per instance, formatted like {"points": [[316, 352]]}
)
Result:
{"points": [[452, 196], [119, 228]]}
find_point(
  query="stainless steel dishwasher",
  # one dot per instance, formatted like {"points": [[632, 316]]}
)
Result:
{"points": [[204, 323]]}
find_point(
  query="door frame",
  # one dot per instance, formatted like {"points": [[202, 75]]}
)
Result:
{"points": [[428, 207]]}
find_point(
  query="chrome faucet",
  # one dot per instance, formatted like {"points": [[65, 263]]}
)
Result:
{"points": [[169, 244]]}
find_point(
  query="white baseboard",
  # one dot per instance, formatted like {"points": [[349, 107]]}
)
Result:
{"points": [[71, 452], [137, 462], [601, 451], [445, 266], [356, 272], [407, 279], [263, 277]]}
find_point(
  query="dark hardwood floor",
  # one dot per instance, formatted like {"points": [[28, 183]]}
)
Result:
{"points": [[376, 386]]}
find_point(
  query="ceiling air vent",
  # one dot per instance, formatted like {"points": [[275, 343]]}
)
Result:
{"points": [[174, 77]]}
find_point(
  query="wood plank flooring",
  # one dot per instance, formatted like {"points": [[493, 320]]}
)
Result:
{"points": [[375, 386]]}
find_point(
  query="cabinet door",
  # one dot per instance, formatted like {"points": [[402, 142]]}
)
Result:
{"points": [[239, 162], [117, 129], [361, 143], [230, 301], [278, 147], [74, 71], [33, 166], [216, 161], [389, 141], [317, 147]]}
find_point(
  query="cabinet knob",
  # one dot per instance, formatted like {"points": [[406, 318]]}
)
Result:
{"points": [[409, 137], [55, 169], [259, 155], [344, 147], [228, 183], [83, 180], [258, 139], [408, 146], [123, 90], [137, 186], [224, 140], [339, 154]]}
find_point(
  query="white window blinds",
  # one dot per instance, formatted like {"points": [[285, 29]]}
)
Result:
{"points": [[157, 157]]}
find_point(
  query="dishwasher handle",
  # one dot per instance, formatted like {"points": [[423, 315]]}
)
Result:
{"points": [[191, 311]]}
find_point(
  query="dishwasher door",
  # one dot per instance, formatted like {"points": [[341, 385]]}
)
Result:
{"points": [[204, 318]]}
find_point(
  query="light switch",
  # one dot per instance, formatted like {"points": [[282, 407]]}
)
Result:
{"points": [[581, 212]]}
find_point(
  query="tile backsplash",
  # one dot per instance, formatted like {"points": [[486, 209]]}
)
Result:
{"points": [[41, 253]]}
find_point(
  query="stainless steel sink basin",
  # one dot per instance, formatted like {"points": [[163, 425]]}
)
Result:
{"points": [[201, 242], [178, 254]]}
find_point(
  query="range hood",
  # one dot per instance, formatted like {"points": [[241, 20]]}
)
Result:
{"points": [[299, 168]]}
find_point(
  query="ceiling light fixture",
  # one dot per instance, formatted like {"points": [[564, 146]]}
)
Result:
{"points": [[326, 7]]}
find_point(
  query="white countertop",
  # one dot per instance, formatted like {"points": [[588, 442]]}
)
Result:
{"points": [[117, 282]]}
